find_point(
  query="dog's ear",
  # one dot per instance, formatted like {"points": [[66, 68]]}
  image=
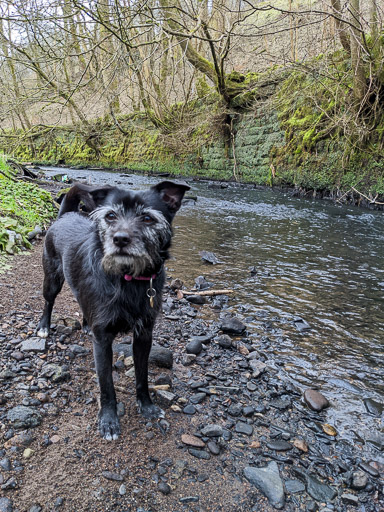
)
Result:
{"points": [[86, 196], [171, 193], [99, 195]]}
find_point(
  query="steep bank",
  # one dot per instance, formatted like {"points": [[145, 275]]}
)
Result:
{"points": [[296, 133]]}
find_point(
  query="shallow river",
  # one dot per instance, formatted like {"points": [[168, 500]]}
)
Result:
{"points": [[313, 261]]}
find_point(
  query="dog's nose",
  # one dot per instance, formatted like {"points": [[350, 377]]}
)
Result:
{"points": [[121, 239]]}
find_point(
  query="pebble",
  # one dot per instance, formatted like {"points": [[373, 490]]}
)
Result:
{"points": [[24, 417], [235, 410], [5, 464], [189, 499], [232, 325], [212, 430], [197, 398], [224, 341], [248, 411], [34, 345], [294, 486], [258, 367], [369, 469], [267, 479], [315, 400], [301, 445], [165, 398], [279, 446], [110, 475], [213, 447], [194, 347], [59, 502], [196, 299], [188, 359], [189, 409], [27, 453], [318, 490], [194, 441], [164, 488], [243, 428], [350, 499], [6, 505], [199, 454]]}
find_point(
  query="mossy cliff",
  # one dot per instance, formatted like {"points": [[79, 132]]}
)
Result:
{"points": [[295, 133]]}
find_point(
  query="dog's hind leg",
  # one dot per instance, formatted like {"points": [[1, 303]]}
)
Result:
{"points": [[109, 426], [142, 343], [53, 282]]}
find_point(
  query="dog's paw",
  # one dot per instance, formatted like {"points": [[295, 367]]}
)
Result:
{"points": [[150, 411], [109, 426], [87, 330], [43, 332]]}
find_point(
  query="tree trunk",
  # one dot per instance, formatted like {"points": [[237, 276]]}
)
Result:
{"points": [[357, 63], [340, 26]]}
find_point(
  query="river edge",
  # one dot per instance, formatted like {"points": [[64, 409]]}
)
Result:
{"points": [[350, 197], [229, 381]]}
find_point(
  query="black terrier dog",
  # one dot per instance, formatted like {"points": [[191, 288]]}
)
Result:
{"points": [[113, 260]]}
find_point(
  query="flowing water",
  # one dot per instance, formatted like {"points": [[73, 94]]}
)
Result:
{"points": [[311, 261]]}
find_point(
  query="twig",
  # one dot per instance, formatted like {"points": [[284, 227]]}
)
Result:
{"points": [[208, 293], [370, 199]]}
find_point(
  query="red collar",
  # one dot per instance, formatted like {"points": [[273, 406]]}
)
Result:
{"points": [[139, 278]]}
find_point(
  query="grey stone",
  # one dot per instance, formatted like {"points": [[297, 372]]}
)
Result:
{"points": [[258, 367], [159, 356], [7, 374], [5, 464], [350, 499], [197, 398], [164, 488], [120, 409], [194, 347], [188, 359], [35, 508], [244, 428], [302, 326], [235, 410], [189, 409], [315, 488], [210, 257], [55, 372], [373, 407], [196, 299], [294, 486], [24, 417], [224, 341], [111, 475], [359, 480], [268, 481], [315, 400], [279, 445], [212, 430], [6, 505], [213, 447], [199, 454], [232, 325], [165, 398], [34, 345]]}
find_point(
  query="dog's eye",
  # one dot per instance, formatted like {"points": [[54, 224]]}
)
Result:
{"points": [[110, 217], [147, 219]]}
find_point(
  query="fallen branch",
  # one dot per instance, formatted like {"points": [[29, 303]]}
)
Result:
{"points": [[370, 199]]}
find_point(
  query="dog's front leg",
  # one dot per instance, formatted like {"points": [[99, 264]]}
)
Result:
{"points": [[142, 343], [109, 425]]}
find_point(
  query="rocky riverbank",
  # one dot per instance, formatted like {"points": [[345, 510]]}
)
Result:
{"points": [[235, 436]]}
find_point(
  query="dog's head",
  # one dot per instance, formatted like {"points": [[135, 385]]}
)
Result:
{"points": [[135, 227]]}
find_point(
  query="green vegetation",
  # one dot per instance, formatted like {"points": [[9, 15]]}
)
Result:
{"points": [[22, 207]]}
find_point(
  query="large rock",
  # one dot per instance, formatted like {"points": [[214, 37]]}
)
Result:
{"points": [[159, 356], [315, 400], [6, 505], [55, 372], [318, 490], [232, 325], [258, 367], [24, 417], [268, 481], [33, 345]]}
